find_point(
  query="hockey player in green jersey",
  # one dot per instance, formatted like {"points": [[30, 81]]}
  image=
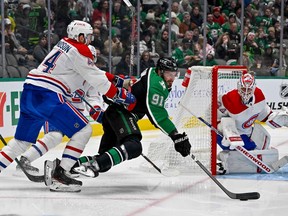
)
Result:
{"points": [[122, 138]]}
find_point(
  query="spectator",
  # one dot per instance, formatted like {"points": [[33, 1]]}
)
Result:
{"points": [[119, 15], [162, 45], [176, 13], [251, 48], [235, 39], [165, 26], [97, 40], [147, 44], [185, 56], [184, 6], [103, 30], [210, 60], [123, 67], [40, 51], [222, 47], [23, 24], [217, 17], [146, 61], [174, 25], [198, 49], [196, 17], [226, 26], [102, 13], [186, 24], [189, 35], [116, 45], [213, 30]]}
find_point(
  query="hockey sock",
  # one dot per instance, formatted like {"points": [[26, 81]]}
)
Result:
{"points": [[110, 158]]}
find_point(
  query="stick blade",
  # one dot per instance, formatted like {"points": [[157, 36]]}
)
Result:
{"points": [[248, 196]]}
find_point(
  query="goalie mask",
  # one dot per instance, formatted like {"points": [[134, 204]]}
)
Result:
{"points": [[77, 28], [246, 87]]}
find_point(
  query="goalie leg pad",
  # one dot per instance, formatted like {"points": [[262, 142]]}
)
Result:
{"points": [[261, 137], [234, 162]]}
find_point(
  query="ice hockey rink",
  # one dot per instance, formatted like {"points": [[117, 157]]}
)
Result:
{"points": [[127, 191]]}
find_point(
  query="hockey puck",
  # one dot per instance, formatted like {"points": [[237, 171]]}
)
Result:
{"points": [[243, 199]]}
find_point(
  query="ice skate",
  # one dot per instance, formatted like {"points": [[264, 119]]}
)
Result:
{"points": [[26, 164], [58, 179], [88, 171]]}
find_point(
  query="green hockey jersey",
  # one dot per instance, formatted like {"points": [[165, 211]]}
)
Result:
{"points": [[151, 92]]}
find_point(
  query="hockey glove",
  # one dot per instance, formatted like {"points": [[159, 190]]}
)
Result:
{"points": [[124, 97], [181, 144], [96, 113], [119, 81], [124, 81]]}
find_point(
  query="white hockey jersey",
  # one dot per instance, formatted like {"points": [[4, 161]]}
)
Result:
{"points": [[67, 67], [230, 104], [93, 97]]}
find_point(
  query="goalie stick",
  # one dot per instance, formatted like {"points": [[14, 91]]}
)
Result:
{"points": [[33, 178], [268, 169]]}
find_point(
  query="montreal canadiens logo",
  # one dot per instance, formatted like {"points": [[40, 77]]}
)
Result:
{"points": [[250, 121]]}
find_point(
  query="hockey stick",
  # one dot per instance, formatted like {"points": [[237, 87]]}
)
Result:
{"points": [[240, 149], [33, 178], [240, 196], [167, 173]]}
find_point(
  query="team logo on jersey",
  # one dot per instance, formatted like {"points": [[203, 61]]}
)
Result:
{"points": [[162, 83], [76, 125], [284, 91], [250, 121]]}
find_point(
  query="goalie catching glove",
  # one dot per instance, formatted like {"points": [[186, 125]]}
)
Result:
{"points": [[278, 119], [181, 143]]}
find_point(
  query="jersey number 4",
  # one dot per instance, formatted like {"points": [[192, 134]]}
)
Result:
{"points": [[50, 63]]}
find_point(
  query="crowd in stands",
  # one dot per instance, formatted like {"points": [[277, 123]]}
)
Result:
{"points": [[26, 35]]}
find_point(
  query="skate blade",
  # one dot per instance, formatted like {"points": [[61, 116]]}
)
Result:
{"points": [[85, 171], [60, 187], [48, 167]]}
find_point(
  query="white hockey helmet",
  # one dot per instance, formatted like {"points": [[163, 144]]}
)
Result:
{"points": [[77, 27], [246, 87], [94, 53]]}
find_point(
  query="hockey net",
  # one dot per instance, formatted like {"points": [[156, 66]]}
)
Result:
{"points": [[201, 98]]}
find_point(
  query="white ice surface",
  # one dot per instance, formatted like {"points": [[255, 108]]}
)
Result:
{"points": [[125, 190]]}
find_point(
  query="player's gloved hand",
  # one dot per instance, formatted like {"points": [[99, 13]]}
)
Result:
{"points": [[181, 143], [96, 113], [124, 97], [119, 81], [124, 81]]}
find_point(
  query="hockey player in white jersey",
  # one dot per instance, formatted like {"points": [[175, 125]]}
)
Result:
{"points": [[53, 136], [44, 98], [238, 110]]}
